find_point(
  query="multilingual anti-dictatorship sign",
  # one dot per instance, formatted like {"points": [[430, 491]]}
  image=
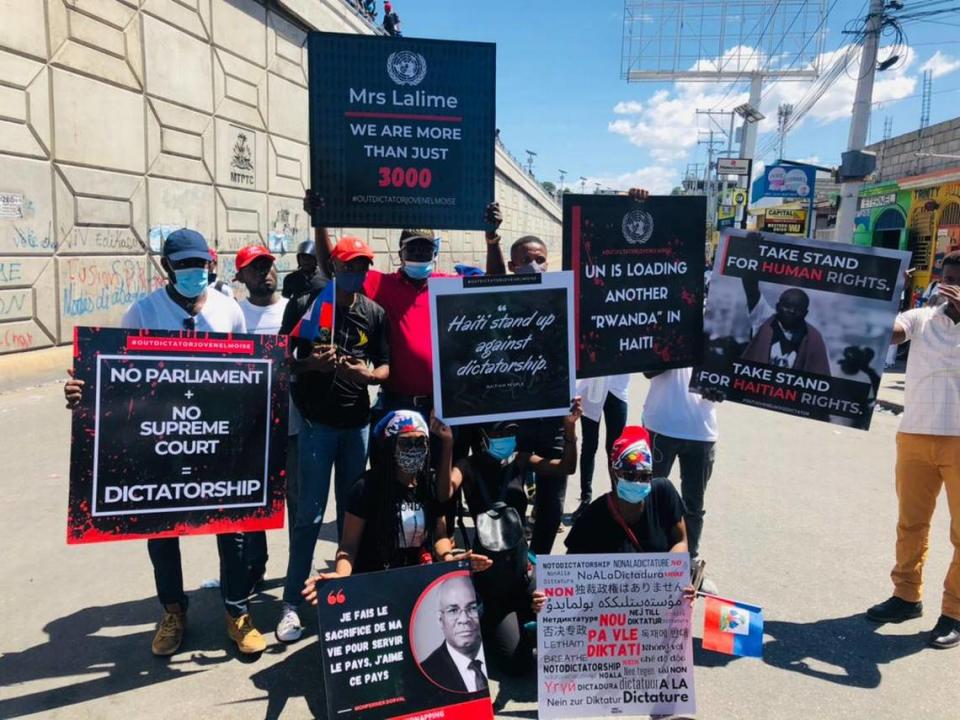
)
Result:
{"points": [[178, 433], [402, 131], [800, 326], [638, 281], [614, 636], [502, 347], [388, 642]]}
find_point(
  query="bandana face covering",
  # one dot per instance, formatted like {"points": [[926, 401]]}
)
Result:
{"points": [[411, 460]]}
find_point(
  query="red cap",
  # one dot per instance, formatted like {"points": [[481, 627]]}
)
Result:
{"points": [[250, 253], [349, 248], [632, 449]]}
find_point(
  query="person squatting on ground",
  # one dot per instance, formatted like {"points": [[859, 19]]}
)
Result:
{"points": [[187, 303], [331, 393], [928, 456]]}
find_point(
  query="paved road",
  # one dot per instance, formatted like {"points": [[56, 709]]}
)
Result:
{"points": [[801, 519]]}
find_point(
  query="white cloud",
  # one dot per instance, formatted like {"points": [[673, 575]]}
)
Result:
{"points": [[941, 64], [657, 179], [628, 107]]}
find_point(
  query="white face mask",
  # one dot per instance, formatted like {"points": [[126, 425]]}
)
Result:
{"points": [[531, 268]]}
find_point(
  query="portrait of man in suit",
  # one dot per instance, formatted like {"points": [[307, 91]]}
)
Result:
{"points": [[457, 664]]}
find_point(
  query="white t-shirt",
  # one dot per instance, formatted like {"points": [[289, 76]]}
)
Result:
{"points": [[931, 403], [157, 311], [593, 393], [263, 319], [672, 410]]}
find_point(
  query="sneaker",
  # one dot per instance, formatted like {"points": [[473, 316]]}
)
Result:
{"points": [[289, 628], [945, 634], [895, 610], [170, 631], [242, 631]]}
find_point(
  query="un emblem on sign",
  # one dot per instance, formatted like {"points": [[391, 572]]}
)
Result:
{"points": [[637, 227], [406, 68]]}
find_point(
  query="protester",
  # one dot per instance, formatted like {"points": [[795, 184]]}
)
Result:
{"points": [[331, 393], [494, 474], [391, 21], [307, 278], [683, 426], [186, 303], [550, 444], [394, 517], [606, 396], [216, 283], [403, 295], [928, 456], [642, 514], [262, 312], [781, 335]]}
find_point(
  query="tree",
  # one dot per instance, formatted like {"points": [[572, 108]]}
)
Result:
{"points": [[678, 190], [549, 187]]}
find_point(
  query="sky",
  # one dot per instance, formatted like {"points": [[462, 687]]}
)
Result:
{"points": [[560, 92]]}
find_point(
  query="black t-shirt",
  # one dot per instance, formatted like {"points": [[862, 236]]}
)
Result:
{"points": [[597, 531], [296, 285], [416, 526], [361, 331], [543, 437]]}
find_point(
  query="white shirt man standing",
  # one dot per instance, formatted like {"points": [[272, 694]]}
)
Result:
{"points": [[188, 303], [928, 456]]}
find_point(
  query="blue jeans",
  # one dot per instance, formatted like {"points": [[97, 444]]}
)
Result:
{"points": [[322, 448]]}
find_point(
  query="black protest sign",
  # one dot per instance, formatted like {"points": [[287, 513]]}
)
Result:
{"points": [[388, 641], [178, 433], [401, 131], [800, 326], [638, 269], [502, 347]]}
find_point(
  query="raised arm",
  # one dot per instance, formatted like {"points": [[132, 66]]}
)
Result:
{"points": [[493, 217]]}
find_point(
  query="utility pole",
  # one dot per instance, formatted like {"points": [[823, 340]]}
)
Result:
{"points": [[583, 184], [530, 156], [709, 173], [852, 176], [784, 111], [563, 174]]}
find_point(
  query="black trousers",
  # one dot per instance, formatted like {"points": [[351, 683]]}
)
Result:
{"points": [[548, 502]]}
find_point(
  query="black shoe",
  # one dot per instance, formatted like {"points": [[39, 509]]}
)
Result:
{"points": [[945, 634], [895, 610]]}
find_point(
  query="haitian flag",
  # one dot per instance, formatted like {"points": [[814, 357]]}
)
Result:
{"points": [[317, 323], [731, 627]]}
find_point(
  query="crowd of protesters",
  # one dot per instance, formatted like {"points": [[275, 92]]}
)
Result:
{"points": [[404, 482]]}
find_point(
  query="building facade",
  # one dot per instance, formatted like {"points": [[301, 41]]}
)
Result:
{"points": [[121, 120]]}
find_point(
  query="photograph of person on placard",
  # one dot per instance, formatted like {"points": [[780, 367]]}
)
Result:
{"points": [[445, 633]]}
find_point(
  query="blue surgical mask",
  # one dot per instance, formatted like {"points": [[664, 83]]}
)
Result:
{"points": [[633, 492], [418, 270], [350, 282], [191, 282], [531, 268], [501, 448]]}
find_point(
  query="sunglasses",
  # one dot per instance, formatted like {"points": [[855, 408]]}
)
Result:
{"points": [[632, 475], [409, 443]]}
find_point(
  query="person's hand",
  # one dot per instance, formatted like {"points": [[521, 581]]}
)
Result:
{"points": [[322, 359], [440, 429], [73, 391], [538, 601], [353, 370], [313, 201], [950, 293], [570, 421], [309, 591], [856, 359], [713, 394], [637, 194], [492, 216], [689, 594], [478, 563]]}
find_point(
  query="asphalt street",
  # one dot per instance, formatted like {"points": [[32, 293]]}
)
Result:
{"points": [[801, 520]]}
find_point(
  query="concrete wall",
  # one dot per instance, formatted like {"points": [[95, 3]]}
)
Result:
{"points": [[119, 121], [896, 157]]}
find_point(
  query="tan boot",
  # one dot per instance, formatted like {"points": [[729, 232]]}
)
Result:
{"points": [[170, 631], [242, 631]]}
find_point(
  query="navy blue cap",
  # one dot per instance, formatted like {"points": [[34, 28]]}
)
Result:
{"points": [[185, 244]]}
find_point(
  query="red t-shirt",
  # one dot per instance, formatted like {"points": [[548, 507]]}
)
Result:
{"points": [[407, 305]]}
